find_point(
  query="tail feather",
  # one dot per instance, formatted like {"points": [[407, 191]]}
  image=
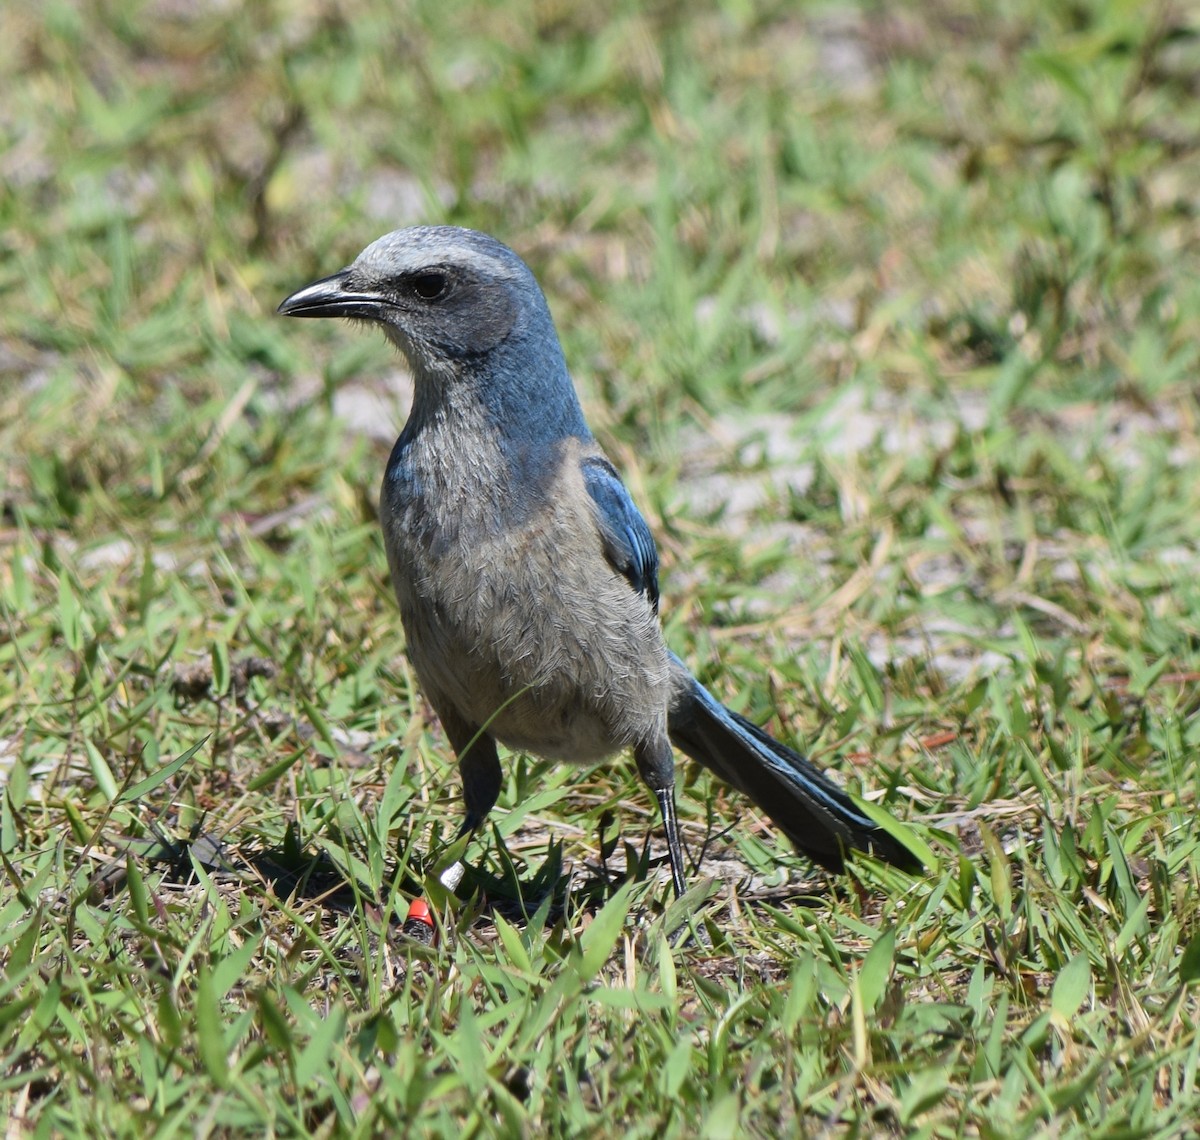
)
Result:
{"points": [[813, 812]]}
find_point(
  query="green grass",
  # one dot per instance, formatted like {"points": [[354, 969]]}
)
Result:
{"points": [[890, 314]]}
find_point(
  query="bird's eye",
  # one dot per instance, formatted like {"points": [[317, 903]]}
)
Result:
{"points": [[429, 286]]}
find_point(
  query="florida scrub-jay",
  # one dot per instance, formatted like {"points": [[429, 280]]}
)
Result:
{"points": [[526, 577]]}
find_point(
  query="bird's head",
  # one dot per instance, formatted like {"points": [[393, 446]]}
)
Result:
{"points": [[441, 294]]}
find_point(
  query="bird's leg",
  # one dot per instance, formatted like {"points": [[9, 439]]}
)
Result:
{"points": [[478, 765], [666, 802], [656, 763]]}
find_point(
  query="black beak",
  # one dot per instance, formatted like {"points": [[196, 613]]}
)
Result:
{"points": [[331, 297]]}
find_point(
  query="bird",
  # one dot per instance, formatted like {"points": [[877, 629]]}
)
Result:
{"points": [[526, 577]]}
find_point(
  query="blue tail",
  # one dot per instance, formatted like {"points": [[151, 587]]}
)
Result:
{"points": [[814, 813]]}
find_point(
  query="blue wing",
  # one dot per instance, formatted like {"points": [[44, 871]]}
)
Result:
{"points": [[628, 543]]}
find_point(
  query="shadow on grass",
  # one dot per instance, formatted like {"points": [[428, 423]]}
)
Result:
{"points": [[545, 894]]}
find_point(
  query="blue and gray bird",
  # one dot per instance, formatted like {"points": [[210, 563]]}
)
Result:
{"points": [[527, 579]]}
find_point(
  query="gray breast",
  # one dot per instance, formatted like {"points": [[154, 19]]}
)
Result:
{"points": [[521, 623]]}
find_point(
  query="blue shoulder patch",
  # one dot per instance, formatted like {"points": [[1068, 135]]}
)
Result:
{"points": [[628, 543]]}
